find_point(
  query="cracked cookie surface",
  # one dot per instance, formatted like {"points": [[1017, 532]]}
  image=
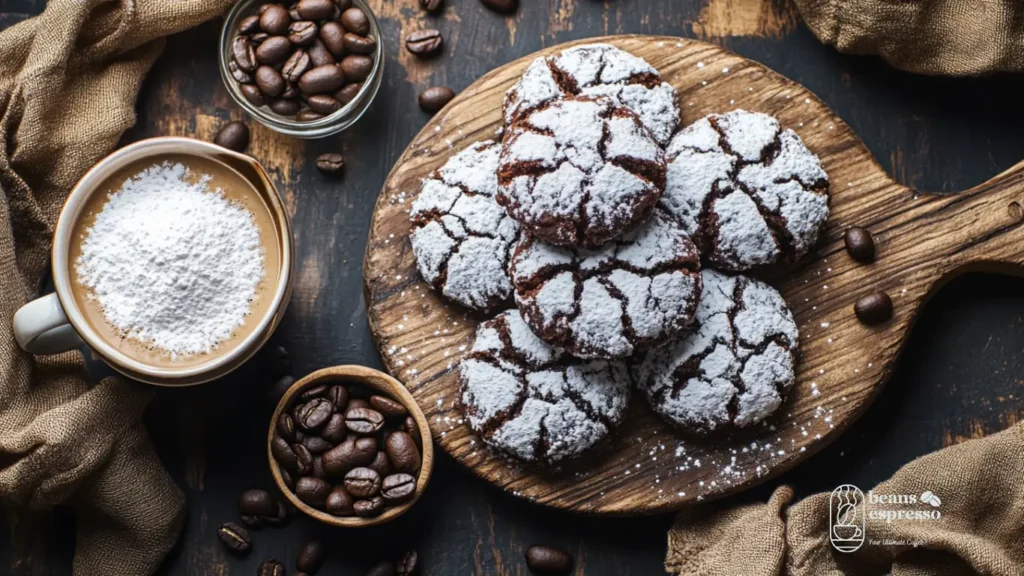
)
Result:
{"points": [[598, 70], [535, 402], [462, 239], [632, 293], [733, 368], [579, 171], [748, 192]]}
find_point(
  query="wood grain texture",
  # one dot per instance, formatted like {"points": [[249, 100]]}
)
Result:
{"points": [[645, 467]]}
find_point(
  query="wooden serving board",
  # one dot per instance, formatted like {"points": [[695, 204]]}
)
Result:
{"points": [[645, 467]]}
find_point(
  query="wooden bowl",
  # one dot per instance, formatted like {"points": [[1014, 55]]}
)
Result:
{"points": [[384, 384]]}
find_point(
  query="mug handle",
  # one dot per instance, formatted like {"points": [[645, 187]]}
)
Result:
{"points": [[41, 327]]}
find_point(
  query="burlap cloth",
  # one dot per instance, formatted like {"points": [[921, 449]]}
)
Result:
{"points": [[949, 37], [68, 83]]}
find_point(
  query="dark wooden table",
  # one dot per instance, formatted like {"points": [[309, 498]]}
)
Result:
{"points": [[959, 378]]}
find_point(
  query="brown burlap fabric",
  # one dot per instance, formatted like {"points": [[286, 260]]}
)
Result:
{"points": [[981, 530], [948, 37], [68, 83]]}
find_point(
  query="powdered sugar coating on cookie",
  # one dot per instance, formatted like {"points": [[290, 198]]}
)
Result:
{"points": [[736, 364], [749, 192], [632, 294], [462, 238], [598, 70], [535, 402], [579, 171]]}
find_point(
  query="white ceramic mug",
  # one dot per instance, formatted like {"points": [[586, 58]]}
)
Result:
{"points": [[55, 323]]}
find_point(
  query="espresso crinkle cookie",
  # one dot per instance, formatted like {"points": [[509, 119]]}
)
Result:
{"points": [[734, 367], [534, 402], [579, 171], [748, 191], [462, 238], [598, 70], [633, 293]]}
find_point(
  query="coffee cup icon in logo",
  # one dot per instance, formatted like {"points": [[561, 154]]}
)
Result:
{"points": [[847, 518]]}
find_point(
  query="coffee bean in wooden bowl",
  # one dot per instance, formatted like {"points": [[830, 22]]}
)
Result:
{"points": [[349, 446], [305, 68]]}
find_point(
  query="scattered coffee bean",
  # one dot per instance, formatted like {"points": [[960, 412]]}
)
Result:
{"points": [[424, 43], [502, 6], [312, 491], [302, 33], [355, 20], [397, 487], [339, 502], [323, 103], [253, 94], [362, 482], [368, 508], [874, 308], [311, 557], [319, 55], [357, 67], [240, 76], [234, 537], [387, 406], [244, 54], [278, 389], [249, 24], [385, 568], [271, 568], [280, 517], [432, 6], [283, 453], [275, 20], [269, 81], [548, 560], [253, 521], [274, 50], [315, 9], [284, 106], [351, 453], [338, 395], [303, 459], [316, 444], [335, 430], [402, 451], [280, 361], [233, 136], [364, 421], [434, 99], [315, 413], [860, 244], [348, 93], [322, 79], [332, 35], [331, 164], [408, 563], [381, 464], [257, 503]]}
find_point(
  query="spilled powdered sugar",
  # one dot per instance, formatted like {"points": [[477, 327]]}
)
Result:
{"points": [[171, 263], [535, 402], [733, 367]]}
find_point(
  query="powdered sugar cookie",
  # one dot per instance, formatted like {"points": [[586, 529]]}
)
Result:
{"points": [[749, 192], [632, 294], [598, 70], [533, 401], [579, 171], [736, 364], [461, 237]]}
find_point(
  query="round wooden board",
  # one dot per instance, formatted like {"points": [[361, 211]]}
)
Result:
{"points": [[645, 467]]}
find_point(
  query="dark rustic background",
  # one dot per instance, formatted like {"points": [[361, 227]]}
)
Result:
{"points": [[958, 378]]}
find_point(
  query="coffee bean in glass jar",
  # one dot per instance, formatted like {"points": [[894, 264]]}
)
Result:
{"points": [[304, 59], [356, 457]]}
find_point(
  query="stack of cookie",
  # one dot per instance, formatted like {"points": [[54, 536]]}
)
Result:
{"points": [[595, 216]]}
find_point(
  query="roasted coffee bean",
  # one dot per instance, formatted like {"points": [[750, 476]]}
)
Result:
{"points": [[340, 502], [243, 54], [357, 44], [234, 537], [548, 560], [291, 92], [860, 244], [368, 508], [409, 426], [303, 459], [271, 568], [284, 106], [318, 470], [280, 361], [364, 421], [275, 20], [424, 42], [348, 93], [323, 103], [233, 136], [319, 55], [356, 67], [315, 9], [249, 24], [502, 6], [279, 517], [356, 403], [302, 33], [294, 15], [408, 563], [355, 20], [313, 392], [388, 407], [402, 451], [321, 80], [276, 392], [874, 308], [311, 557], [286, 426], [397, 487], [257, 503], [307, 115], [332, 35], [381, 464], [315, 413], [240, 76], [296, 65], [338, 395], [432, 6], [283, 453], [362, 482], [263, 8], [252, 94], [335, 431], [343, 4], [287, 478], [274, 50], [312, 491], [269, 81], [351, 453], [433, 99], [385, 568], [253, 521], [258, 38], [316, 444], [331, 165]]}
